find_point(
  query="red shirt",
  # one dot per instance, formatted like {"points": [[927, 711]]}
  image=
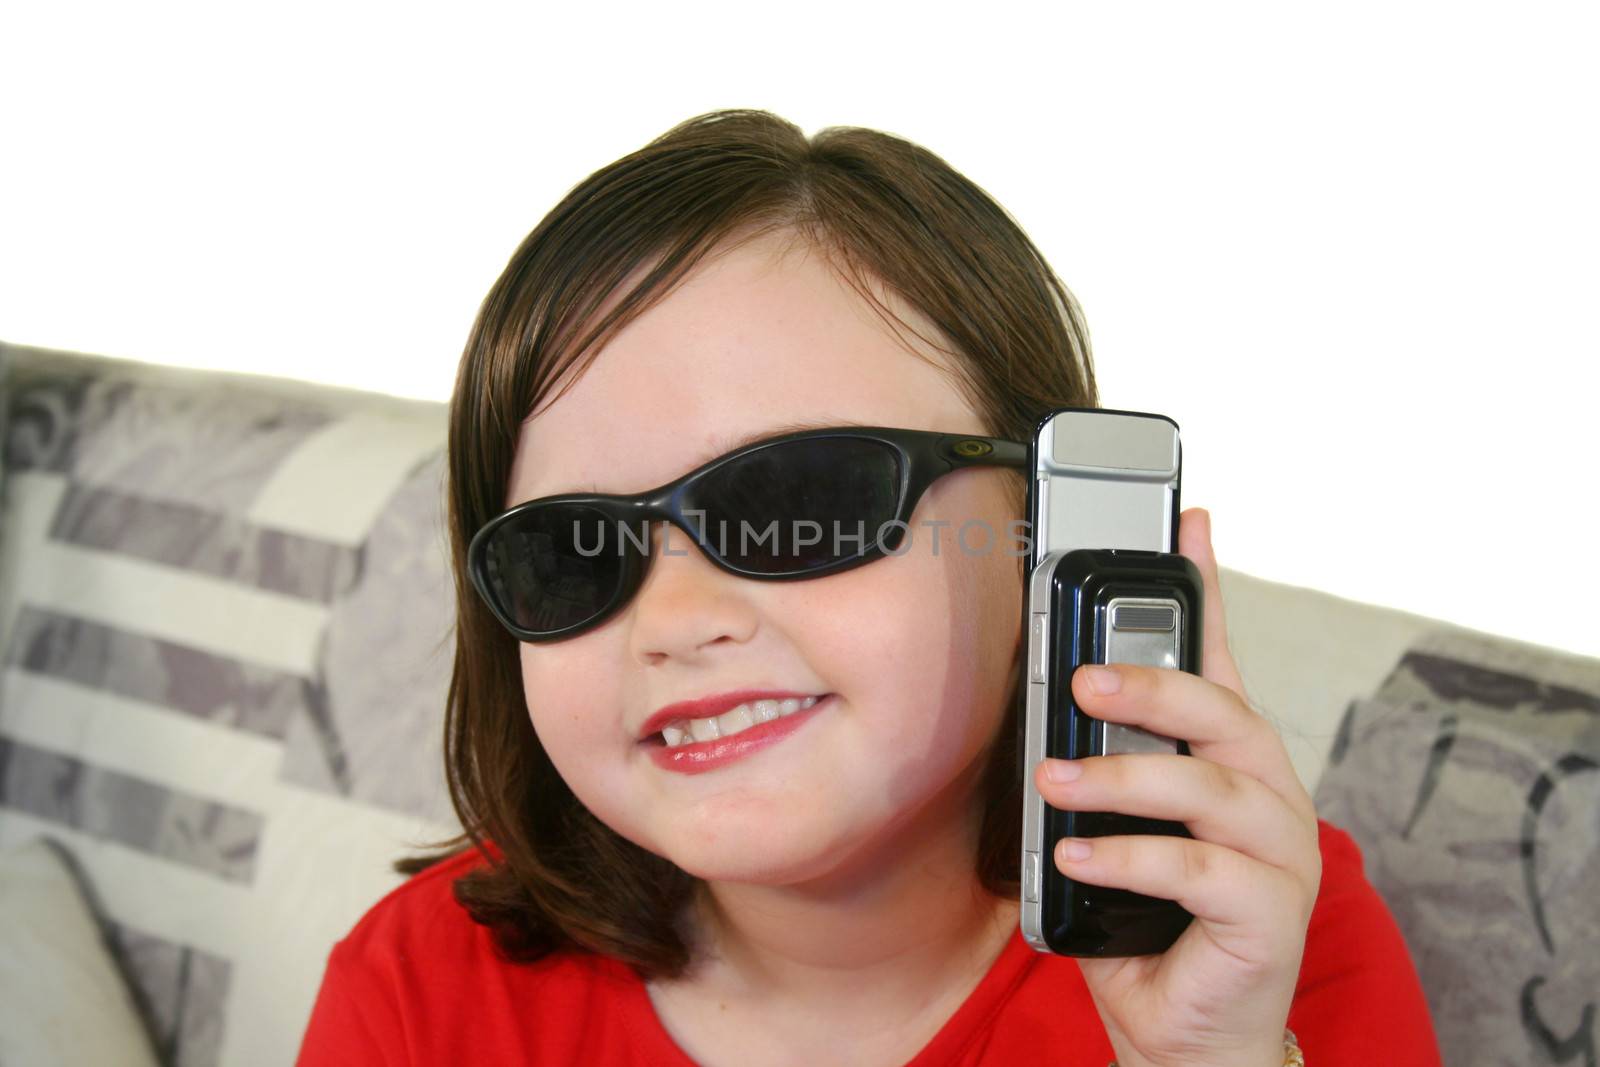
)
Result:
{"points": [[416, 981]]}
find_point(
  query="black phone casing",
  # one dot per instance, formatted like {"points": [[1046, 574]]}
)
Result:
{"points": [[1077, 918]]}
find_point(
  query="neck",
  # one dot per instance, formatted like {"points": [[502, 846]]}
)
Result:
{"points": [[898, 927]]}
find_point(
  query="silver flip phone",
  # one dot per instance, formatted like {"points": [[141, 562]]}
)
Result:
{"points": [[1105, 585]]}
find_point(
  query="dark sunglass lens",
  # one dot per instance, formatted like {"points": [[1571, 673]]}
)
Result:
{"points": [[798, 506], [556, 565]]}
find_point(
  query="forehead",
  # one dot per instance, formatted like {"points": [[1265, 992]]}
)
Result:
{"points": [[751, 341]]}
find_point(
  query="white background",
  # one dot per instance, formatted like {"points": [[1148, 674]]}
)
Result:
{"points": [[1350, 248]]}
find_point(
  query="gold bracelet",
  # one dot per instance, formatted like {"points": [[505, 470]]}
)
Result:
{"points": [[1292, 1056]]}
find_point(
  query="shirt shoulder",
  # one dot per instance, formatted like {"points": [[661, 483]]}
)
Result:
{"points": [[417, 980], [421, 912], [420, 924], [1359, 997]]}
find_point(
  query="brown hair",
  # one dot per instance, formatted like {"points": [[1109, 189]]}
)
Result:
{"points": [[880, 208]]}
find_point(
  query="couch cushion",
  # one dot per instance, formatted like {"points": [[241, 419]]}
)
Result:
{"points": [[1471, 781], [225, 637], [1305, 655], [63, 997]]}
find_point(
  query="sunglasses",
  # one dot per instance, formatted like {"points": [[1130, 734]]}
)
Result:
{"points": [[798, 505]]}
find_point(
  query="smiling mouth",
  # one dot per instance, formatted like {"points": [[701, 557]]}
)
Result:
{"points": [[730, 723]]}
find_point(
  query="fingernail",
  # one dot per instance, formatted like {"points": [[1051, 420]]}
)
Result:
{"points": [[1074, 848], [1062, 770], [1104, 680]]}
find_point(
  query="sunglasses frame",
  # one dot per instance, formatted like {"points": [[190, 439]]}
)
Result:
{"points": [[924, 457]]}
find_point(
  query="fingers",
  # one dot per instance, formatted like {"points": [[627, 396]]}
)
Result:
{"points": [[1254, 909], [1216, 722], [1216, 803]]}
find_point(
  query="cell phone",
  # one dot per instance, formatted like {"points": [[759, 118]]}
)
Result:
{"points": [[1105, 585]]}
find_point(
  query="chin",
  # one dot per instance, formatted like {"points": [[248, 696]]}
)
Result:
{"points": [[755, 858]]}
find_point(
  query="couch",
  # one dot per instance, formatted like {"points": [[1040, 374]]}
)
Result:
{"points": [[225, 636]]}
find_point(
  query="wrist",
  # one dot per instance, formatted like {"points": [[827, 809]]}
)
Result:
{"points": [[1281, 1052]]}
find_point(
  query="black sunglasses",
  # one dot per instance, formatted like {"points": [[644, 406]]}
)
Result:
{"points": [[556, 566]]}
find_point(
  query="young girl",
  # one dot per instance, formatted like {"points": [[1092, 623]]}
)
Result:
{"points": [[742, 806]]}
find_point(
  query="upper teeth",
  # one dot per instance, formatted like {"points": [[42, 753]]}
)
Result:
{"points": [[732, 721]]}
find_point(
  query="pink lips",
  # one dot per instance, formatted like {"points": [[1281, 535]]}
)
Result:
{"points": [[710, 707], [701, 756]]}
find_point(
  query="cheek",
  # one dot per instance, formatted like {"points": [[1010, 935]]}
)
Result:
{"points": [[574, 706], [971, 611], [918, 643], [875, 627]]}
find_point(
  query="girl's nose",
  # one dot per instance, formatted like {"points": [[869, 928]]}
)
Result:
{"points": [[686, 604]]}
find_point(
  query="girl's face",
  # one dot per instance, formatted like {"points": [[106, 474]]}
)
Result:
{"points": [[917, 650]]}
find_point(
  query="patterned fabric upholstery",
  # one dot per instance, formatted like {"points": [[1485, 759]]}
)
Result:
{"points": [[225, 635], [57, 971], [1471, 781]]}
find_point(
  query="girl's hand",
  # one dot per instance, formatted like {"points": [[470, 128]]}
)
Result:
{"points": [[1221, 993]]}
